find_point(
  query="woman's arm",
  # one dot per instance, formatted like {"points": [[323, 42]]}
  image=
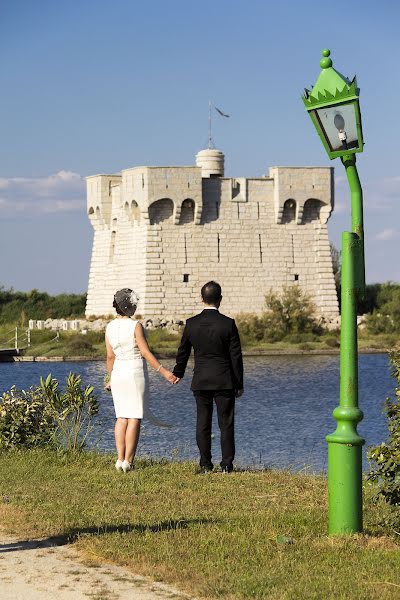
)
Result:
{"points": [[110, 357], [149, 356]]}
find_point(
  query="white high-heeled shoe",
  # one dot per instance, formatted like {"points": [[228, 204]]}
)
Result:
{"points": [[118, 465], [126, 466]]}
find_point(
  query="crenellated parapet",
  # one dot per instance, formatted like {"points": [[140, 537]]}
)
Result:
{"points": [[161, 193], [99, 198], [302, 194]]}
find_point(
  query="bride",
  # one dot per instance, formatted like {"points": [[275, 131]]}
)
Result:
{"points": [[127, 353]]}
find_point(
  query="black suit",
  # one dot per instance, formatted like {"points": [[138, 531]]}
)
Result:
{"points": [[218, 374]]}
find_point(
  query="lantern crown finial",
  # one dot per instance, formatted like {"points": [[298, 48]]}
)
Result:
{"points": [[331, 86], [325, 62]]}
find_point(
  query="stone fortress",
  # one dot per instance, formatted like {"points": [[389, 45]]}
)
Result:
{"points": [[165, 231]]}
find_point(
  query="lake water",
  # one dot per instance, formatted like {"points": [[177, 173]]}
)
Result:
{"points": [[281, 420]]}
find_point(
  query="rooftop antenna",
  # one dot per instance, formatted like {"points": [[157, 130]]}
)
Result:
{"points": [[221, 113], [210, 140]]}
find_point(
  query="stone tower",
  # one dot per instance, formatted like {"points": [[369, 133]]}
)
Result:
{"points": [[165, 231]]}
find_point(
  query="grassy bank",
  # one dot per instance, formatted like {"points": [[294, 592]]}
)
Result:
{"points": [[165, 343], [216, 536]]}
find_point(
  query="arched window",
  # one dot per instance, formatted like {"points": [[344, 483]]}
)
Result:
{"points": [[289, 211], [94, 215], [187, 212], [133, 211], [161, 210], [312, 210]]}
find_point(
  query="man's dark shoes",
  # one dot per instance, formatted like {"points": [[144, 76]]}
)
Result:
{"points": [[204, 470], [226, 469]]}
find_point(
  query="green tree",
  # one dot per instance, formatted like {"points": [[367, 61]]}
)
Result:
{"points": [[385, 318], [20, 306]]}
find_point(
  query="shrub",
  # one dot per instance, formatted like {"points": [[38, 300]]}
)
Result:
{"points": [[385, 458], [73, 410], [44, 416], [80, 346], [95, 337], [332, 342], [289, 316], [251, 327], [25, 420], [292, 311]]}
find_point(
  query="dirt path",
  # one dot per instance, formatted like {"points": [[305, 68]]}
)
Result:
{"points": [[46, 570]]}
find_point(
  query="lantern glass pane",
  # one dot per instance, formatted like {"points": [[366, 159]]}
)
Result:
{"points": [[339, 126]]}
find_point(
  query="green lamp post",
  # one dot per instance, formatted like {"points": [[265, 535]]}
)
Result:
{"points": [[333, 105]]}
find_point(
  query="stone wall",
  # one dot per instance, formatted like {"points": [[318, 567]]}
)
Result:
{"points": [[166, 231]]}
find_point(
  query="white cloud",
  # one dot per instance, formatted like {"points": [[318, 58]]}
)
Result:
{"points": [[61, 192], [387, 234]]}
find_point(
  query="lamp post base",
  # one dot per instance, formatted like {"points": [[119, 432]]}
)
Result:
{"points": [[345, 488]]}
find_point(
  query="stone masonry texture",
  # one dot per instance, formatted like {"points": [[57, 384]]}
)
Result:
{"points": [[165, 231]]}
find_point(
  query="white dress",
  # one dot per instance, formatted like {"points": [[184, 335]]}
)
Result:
{"points": [[129, 377]]}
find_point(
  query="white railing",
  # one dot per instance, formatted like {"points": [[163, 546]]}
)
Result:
{"points": [[17, 340]]}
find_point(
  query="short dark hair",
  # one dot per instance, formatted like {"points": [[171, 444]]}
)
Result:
{"points": [[118, 310], [211, 292]]}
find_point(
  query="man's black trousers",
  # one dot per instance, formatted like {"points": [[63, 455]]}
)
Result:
{"points": [[225, 401]]}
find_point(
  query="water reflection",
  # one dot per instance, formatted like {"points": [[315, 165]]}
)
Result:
{"points": [[281, 420]]}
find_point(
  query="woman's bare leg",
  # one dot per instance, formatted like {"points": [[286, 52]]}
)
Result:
{"points": [[120, 433], [132, 439]]}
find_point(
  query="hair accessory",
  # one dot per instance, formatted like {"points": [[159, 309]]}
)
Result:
{"points": [[127, 300], [134, 298]]}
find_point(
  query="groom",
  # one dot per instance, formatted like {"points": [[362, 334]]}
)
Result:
{"points": [[218, 374]]}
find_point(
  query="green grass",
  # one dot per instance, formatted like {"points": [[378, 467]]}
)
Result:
{"points": [[214, 535]]}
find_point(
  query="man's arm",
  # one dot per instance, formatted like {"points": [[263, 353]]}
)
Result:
{"points": [[183, 354], [235, 351]]}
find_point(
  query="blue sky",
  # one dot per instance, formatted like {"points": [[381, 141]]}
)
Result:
{"points": [[94, 86]]}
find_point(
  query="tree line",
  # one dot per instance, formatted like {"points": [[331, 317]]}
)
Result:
{"points": [[19, 307]]}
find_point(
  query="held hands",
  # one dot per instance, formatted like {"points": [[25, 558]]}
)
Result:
{"points": [[169, 376]]}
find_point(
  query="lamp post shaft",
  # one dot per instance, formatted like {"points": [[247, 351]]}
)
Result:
{"points": [[344, 445], [357, 218]]}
